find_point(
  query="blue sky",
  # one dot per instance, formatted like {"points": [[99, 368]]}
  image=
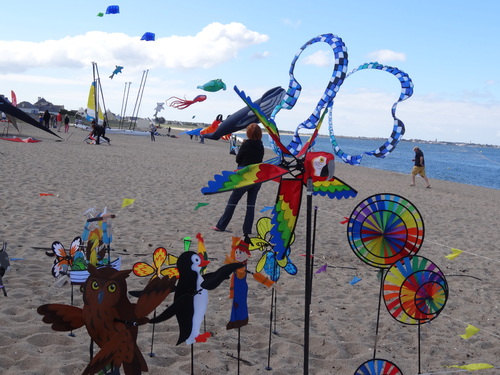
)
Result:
{"points": [[448, 48]]}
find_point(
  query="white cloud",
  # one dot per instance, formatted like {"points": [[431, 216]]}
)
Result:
{"points": [[319, 58], [213, 45], [289, 22], [385, 56]]}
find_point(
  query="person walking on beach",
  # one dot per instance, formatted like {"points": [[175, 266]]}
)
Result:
{"points": [[419, 167], [250, 152], [152, 129]]}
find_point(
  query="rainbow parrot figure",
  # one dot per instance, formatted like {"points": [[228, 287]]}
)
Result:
{"points": [[317, 167]]}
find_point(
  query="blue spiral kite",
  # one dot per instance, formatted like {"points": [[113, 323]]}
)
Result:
{"points": [[339, 74]]}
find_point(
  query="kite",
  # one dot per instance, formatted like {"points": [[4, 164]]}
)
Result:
{"points": [[213, 127], [159, 108], [327, 99], [4, 265], [113, 9], [111, 320], [118, 69], [242, 118], [191, 295], [213, 85], [196, 131], [100, 14], [148, 37], [18, 139], [9, 109], [184, 103], [385, 228]]}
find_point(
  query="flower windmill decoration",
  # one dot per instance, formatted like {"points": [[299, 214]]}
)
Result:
{"points": [[160, 258]]}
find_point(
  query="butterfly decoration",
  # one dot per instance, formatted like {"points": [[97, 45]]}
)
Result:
{"points": [[160, 258], [74, 259]]}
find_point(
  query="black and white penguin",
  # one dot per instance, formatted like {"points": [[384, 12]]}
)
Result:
{"points": [[191, 294]]}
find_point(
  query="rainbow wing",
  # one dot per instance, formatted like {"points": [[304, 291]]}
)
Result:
{"points": [[334, 188], [250, 175], [285, 214], [269, 124]]}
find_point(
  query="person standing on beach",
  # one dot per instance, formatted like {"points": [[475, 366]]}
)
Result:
{"points": [[419, 167], [59, 121], [46, 118], [152, 129], [66, 123], [250, 152]]}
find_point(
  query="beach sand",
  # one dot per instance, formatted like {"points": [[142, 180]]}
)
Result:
{"points": [[165, 178]]}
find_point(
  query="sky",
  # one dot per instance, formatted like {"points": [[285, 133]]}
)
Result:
{"points": [[448, 48]]}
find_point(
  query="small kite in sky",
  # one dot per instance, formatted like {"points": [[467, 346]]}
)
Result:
{"points": [[100, 14], [184, 103], [148, 37], [113, 9], [118, 69], [213, 85]]}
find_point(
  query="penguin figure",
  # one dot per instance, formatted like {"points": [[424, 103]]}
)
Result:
{"points": [[191, 294]]}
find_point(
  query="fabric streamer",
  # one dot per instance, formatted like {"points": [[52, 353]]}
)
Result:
{"points": [[454, 254], [127, 202], [469, 332]]}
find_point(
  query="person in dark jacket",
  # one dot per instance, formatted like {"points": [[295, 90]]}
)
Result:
{"points": [[251, 152]]}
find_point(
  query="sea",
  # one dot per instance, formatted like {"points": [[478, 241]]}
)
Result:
{"points": [[466, 164]]}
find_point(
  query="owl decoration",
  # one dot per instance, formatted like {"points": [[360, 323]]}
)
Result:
{"points": [[111, 320]]}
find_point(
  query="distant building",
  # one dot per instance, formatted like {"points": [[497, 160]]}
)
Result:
{"points": [[40, 106]]}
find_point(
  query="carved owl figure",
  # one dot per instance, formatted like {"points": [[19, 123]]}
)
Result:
{"points": [[112, 321]]}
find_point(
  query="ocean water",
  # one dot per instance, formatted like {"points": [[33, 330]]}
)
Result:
{"points": [[472, 165]]}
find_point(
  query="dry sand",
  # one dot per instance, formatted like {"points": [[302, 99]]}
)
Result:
{"points": [[164, 178]]}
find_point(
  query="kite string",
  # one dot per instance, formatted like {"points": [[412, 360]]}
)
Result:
{"points": [[461, 321], [464, 251]]}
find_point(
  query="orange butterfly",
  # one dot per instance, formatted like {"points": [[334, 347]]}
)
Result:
{"points": [[64, 260]]}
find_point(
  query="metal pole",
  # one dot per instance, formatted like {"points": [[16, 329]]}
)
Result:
{"points": [[308, 276]]}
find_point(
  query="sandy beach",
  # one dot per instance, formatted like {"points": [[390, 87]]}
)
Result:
{"points": [[165, 178]]}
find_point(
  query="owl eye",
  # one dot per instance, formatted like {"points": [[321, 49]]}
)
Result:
{"points": [[112, 288], [95, 285]]}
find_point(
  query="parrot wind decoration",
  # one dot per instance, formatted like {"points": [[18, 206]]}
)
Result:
{"points": [[318, 167]]}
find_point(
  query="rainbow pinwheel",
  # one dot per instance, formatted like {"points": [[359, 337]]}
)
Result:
{"points": [[415, 290], [378, 367], [385, 228]]}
